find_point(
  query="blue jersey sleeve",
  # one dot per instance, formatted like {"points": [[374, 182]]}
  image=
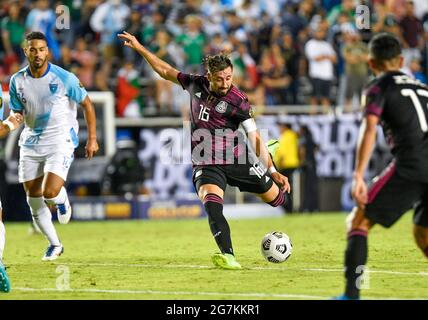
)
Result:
{"points": [[75, 90], [15, 103]]}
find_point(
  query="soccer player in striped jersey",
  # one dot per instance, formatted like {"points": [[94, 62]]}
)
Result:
{"points": [[217, 109], [399, 104], [48, 96]]}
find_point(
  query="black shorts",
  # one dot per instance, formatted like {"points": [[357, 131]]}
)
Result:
{"points": [[247, 177], [390, 196], [321, 88]]}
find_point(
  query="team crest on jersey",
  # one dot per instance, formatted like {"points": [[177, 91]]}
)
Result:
{"points": [[221, 107], [53, 87]]}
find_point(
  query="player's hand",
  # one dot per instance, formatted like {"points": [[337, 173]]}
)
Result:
{"points": [[91, 148], [130, 40], [16, 119], [359, 191], [281, 181]]}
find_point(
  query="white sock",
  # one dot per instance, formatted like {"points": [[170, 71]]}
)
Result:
{"points": [[2, 239], [43, 218], [61, 198]]}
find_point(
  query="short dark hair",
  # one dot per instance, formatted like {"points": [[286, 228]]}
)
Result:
{"points": [[35, 35], [384, 46], [218, 62]]}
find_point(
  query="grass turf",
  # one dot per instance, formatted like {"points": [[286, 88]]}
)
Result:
{"points": [[171, 260]]}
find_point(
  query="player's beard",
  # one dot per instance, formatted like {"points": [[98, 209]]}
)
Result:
{"points": [[222, 91], [38, 63]]}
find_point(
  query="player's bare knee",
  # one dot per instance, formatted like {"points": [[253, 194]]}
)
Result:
{"points": [[50, 193], [357, 220]]}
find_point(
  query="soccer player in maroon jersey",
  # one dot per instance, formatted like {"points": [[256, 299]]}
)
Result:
{"points": [[218, 108], [400, 105]]}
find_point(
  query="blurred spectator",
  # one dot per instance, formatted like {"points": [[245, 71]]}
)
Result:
{"points": [[109, 19], [292, 20], [355, 53], [164, 7], [87, 60], [66, 60], [150, 28], [193, 42], [13, 32], [347, 7], [412, 31], [291, 54], [308, 166], [75, 8], [163, 48], [246, 77], [274, 77], [287, 158], [322, 57], [416, 70], [134, 26], [128, 92], [42, 18]]}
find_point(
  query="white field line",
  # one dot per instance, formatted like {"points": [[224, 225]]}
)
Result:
{"points": [[198, 293], [190, 266], [231, 294]]}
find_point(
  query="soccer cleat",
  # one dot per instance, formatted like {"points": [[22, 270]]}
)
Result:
{"points": [[272, 146], [4, 280], [226, 261], [344, 297], [64, 212], [53, 252]]}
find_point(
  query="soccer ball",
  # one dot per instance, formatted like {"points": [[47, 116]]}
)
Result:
{"points": [[276, 247]]}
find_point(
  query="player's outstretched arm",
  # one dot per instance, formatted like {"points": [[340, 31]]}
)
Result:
{"points": [[91, 122], [164, 69]]}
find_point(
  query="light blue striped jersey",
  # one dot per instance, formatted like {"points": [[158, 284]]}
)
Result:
{"points": [[49, 105]]}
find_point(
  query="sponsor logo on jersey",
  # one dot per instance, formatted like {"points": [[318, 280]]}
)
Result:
{"points": [[221, 107], [53, 87]]}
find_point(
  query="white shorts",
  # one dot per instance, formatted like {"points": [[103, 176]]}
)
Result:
{"points": [[33, 165]]}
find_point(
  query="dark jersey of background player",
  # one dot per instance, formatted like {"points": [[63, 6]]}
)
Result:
{"points": [[400, 105], [215, 113], [391, 98]]}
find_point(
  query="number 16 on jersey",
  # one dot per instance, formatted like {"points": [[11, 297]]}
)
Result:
{"points": [[204, 113]]}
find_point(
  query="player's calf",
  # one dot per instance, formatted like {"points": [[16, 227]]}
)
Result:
{"points": [[421, 238], [279, 199]]}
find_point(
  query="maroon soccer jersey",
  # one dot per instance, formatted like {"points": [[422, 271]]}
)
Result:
{"points": [[401, 103], [215, 120]]}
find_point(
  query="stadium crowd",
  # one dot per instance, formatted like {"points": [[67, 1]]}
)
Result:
{"points": [[285, 52]]}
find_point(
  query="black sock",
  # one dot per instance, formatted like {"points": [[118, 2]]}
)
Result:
{"points": [[355, 257], [426, 252], [218, 224]]}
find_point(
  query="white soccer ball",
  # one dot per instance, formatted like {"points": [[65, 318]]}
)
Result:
{"points": [[276, 247]]}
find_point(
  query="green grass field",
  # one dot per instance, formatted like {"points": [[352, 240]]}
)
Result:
{"points": [[171, 260]]}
